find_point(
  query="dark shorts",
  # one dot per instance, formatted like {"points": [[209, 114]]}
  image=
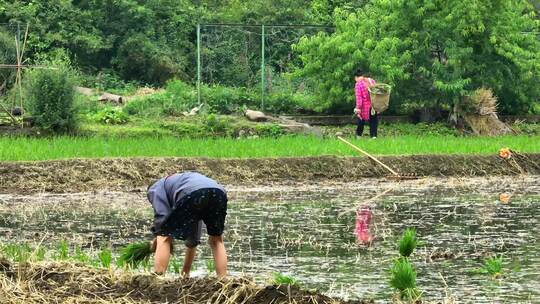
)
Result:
{"points": [[208, 206]]}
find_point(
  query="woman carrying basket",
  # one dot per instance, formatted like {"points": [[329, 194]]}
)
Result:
{"points": [[363, 108]]}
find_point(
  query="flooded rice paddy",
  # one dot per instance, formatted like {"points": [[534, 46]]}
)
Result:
{"points": [[306, 231]]}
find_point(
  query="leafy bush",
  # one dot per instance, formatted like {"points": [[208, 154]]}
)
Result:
{"points": [[140, 58], [177, 98], [111, 116], [289, 103], [50, 96], [269, 130], [218, 125], [226, 100]]}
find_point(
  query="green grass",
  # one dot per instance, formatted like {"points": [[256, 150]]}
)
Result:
{"points": [[20, 149]]}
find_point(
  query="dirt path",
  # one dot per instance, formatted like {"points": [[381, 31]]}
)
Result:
{"points": [[76, 175]]}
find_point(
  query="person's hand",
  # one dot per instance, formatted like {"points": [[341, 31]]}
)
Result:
{"points": [[153, 245], [356, 111]]}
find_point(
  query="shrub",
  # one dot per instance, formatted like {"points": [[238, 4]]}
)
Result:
{"points": [[226, 100], [178, 97], [50, 96], [111, 116], [269, 130], [218, 126]]}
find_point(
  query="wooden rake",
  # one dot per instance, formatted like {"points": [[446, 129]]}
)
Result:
{"points": [[394, 175]]}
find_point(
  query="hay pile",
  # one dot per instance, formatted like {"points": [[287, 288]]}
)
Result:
{"points": [[70, 283], [478, 113]]}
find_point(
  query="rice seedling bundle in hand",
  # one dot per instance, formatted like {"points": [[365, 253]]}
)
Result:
{"points": [[134, 254], [408, 242]]}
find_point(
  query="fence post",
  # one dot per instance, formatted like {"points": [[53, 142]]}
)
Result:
{"points": [[199, 64], [262, 66]]}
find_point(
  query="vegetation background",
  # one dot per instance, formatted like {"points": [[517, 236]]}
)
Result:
{"points": [[433, 53]]}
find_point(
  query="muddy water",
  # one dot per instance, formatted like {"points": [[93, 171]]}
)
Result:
{"points": [[307, 231]]}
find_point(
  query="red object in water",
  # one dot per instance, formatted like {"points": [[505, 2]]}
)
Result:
{"points": [[361, 230]]}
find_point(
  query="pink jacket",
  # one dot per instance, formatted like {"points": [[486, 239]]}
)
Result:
{"points": [[363, 101]]}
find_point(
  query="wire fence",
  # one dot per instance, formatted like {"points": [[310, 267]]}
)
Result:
{"points": [[255, 57]]}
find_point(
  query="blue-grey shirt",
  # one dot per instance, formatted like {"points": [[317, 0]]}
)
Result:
{"points": [[168, 191]]}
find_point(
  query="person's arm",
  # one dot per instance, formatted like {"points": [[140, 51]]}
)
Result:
{"points": [[163, 253], [358, 95], [188, 261]]}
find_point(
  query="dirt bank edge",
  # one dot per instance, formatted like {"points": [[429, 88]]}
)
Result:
{"points": [[78, 175]]}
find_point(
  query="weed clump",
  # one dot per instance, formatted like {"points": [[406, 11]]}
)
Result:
{"points": [[493, 266]]}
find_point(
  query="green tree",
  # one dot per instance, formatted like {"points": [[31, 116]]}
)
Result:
{"points": [[432, 52], [97, 34]]}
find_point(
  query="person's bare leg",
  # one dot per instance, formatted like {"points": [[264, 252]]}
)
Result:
{"points": [[220, 254], [163, 254], [188, 261]]}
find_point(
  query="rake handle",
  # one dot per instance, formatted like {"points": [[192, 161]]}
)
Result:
{"points": [[368, 155]]}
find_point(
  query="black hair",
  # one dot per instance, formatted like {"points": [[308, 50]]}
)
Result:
{"points": [[359, 72]]}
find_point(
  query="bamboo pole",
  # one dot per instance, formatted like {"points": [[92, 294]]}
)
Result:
{"points": [[370, 156]]}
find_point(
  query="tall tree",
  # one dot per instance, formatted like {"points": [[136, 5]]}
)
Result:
{"points": [[433, 52]]}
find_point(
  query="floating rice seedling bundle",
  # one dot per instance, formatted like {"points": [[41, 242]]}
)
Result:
{"points": [[402, 273], [408, 242], [404, 279]]}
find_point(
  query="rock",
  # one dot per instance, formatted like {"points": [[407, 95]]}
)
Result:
{"points": [[339, 133], [255, 115], [192, 112], [111, 98], [241, 133], [84, 91]]}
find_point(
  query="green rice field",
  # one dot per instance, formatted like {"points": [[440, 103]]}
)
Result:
{"points": [[35, 149]]}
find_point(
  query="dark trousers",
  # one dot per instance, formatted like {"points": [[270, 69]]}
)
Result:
{"points": [[373, 123]]}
